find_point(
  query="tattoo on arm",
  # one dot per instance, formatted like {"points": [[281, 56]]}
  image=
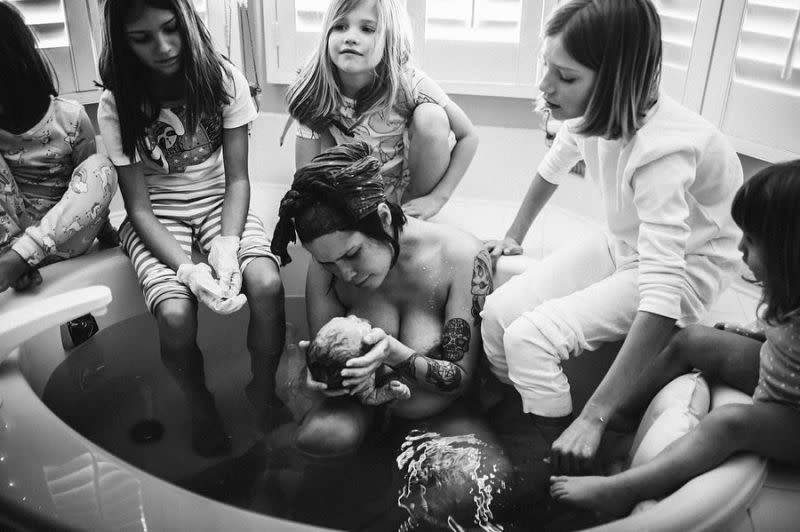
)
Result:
{"points": [[446, 376], [408, 367], [455, 339], [482, 284]]}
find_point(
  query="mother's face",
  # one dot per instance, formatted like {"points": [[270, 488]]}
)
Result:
{"points": [[353, 257]]}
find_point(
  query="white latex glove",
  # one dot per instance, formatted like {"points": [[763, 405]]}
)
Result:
{"points": [[223, 256], [207, 289]]}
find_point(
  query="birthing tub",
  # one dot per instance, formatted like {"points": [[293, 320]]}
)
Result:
{"points": [[51, 477]]}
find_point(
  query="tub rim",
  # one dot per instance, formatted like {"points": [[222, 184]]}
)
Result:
{"points": [[701, 504]]}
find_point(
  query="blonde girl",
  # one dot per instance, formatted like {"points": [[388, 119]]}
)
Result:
{"points": [[667, 178], [360, 85], [174, 118]]}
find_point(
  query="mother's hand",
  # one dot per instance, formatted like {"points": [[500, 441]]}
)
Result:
{"points": [[357, 372], [310, 384], [575, 450]]}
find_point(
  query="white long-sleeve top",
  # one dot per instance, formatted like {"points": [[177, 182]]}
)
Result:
{"points": [[667, 194]]}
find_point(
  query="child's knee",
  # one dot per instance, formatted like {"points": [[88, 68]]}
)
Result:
{"points": [[685, 341], [729, 421], [177, 321], [266, 288], [429, 121], [329, 434]]}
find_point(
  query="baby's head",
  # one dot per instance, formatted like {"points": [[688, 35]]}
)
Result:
{"points": [[337, 341]]}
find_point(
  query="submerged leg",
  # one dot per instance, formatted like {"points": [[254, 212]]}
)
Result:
{"points": [[266, 332], [177, 327]]}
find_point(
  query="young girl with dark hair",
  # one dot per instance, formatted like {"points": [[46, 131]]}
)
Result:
{"points": [[174, 117], [54, 189], [666, 177], [766, 209], [360, 85]]}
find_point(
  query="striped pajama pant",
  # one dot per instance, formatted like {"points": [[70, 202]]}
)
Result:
{"points": [[192, 218]]}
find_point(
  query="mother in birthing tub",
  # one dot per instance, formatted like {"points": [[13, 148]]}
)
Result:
{"points": [[420, 285]]}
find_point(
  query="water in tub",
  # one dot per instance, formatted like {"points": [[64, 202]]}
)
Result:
{"points": [[409, 476]]}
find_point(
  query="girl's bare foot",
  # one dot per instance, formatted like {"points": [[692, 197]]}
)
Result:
{"points": [[599, 494], [12, 267]]}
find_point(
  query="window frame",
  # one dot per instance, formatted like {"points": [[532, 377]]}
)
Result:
{"points": [[281, 35]]}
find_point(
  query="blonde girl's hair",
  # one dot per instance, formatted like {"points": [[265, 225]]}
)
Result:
{"points": [[125, 76], [621, 41], [315, 96]]}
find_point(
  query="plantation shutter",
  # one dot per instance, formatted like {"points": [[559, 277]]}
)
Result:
{"points": [[479, 46], [754, 91], [64, 35]]}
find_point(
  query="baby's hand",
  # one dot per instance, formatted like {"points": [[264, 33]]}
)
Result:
{"points": [[391, 391]]}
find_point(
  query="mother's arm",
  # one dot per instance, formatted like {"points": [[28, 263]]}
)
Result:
{"points": [[322, 305], [451, 367]]}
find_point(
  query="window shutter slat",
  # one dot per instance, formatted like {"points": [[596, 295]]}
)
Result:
{"points": [[47, 20], [763, 50]]}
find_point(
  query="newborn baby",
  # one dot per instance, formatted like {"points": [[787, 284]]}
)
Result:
{"points": [[338, 341]]}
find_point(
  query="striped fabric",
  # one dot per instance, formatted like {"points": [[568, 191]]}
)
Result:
{"points": [[192, 218]]}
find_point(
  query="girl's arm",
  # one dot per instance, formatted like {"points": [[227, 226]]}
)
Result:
{"points": [[451, 367], [537, 196], [237, 181], [140, 212], [85, 143], [462, 154], [575, 449], [322, 305], [659, 195], [306, 148]]}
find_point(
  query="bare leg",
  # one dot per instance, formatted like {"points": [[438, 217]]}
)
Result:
{"points": [[177, 327], [266, 332], [429, 153], [729, 357], [768, 429]]}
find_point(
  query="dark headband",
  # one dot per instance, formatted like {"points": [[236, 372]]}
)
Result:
{"points": [[345, 177]]}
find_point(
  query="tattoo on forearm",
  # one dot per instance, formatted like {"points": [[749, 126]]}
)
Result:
{"points": [[455, 339], [446, 376], [482, 284], [408, 367]]}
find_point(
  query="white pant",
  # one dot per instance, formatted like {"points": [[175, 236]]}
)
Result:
{"points": [[577, 298]]}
